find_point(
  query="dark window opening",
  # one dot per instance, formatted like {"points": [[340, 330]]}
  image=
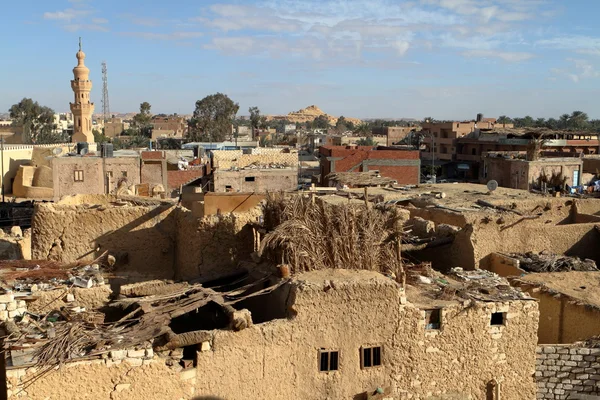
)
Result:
{"points": [[433, 319], [250, 179], [124, 173], [370, 357], [497, 319], [474, 152], [328, 360]]}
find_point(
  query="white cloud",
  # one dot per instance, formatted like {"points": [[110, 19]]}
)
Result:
{"points": [[580, 70], [503, 55], [164, 36], [78, 18]]}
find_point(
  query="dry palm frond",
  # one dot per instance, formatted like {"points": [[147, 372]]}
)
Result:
{"points": [[316, 235]]}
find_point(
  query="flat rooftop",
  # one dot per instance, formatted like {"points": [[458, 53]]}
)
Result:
{"points": [[583, 286]]}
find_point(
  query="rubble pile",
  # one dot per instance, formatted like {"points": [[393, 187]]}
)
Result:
{"points": [[478, 285], [549, 262]]}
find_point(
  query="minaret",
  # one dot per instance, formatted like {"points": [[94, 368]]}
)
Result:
{"points": [[82, 108]]}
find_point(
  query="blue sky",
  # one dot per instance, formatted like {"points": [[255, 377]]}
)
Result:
{"points": [[372, 58]]}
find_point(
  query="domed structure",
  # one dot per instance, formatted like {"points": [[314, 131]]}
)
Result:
{"points": [[82, 108]]}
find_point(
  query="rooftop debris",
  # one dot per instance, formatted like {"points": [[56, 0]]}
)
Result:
{"points": [[63, 336], [311, 234], [360, 179], [477, 285], [549, 262], [31, 275]]}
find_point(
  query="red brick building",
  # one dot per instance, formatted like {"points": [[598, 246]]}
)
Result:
{"points": [[402, 165]]}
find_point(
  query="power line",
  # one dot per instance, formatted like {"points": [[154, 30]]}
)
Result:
{"points": [[105, 105]]}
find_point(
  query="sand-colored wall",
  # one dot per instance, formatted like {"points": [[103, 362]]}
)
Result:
{"points": [[74, 232], [210, 247], [562, 320], [224, 203], [228, 159], [98, 381], [183, 246], [502, 265], [279, 359], [264, 180]]}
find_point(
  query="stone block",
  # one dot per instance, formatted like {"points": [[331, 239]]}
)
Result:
{"points": [[136, 353], [7, 298], [136, 362], [21, 304], [13, 314], [12, 306], [562, 350], [187, 374], [576, 357], [117, 354], [3, 315], [589, 358], [205, 346], [553, 356], [584, 352], [149, 353], [549, 349]]}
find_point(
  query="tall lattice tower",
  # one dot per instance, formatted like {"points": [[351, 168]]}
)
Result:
{"points": [[105, 105]]}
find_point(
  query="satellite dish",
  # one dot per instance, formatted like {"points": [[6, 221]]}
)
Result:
{"points": [[83, 151], [57, 151], [492, 185]]}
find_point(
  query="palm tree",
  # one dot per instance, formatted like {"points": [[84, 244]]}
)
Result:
{"points": [[579, 119]]}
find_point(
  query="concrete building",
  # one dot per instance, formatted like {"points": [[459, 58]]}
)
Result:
{"points": [[172, 126], [513, 170], [94, 175], [259, 170], [393, 134], [404, 166], [114, 127], [82, 108]]}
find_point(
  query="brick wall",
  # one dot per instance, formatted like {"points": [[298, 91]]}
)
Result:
{"points": [[178, 178], [565, 370]]}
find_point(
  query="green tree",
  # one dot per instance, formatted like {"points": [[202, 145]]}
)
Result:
{"points": [[254, 117], [578, 120], [363, 129], [368, 141], [503, 119], [321, 122], [564, 121], [341, 125], [540, 122], [142, 120], [37, 122], [213, 117]]}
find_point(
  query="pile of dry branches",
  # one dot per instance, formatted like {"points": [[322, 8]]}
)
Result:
{"points": [[310, 234]]}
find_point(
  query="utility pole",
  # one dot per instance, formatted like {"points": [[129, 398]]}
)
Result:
{"points": [[2, 162], [432, 157]]}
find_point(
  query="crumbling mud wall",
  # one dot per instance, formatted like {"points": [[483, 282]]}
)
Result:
{"points": [[282, 356], [149, 242], [210, 247], [142, 237], [131, 378], [563, 371]]}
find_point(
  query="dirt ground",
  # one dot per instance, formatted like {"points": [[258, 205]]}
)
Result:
{"points": [[583, 286]]}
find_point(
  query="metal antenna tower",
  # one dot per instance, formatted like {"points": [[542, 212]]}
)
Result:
{"points": [[105, 105]]}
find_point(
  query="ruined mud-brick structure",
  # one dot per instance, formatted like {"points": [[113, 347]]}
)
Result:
{"points": [[329, 333]]}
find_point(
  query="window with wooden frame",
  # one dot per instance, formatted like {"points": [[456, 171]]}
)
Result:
{"points": [[370, 357], [78, 175], [329, 360]]}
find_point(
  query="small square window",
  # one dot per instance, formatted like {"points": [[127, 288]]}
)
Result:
{"points": [[250, 179], [433, 319], [78, 175], [328, 360], [370, 357], [124, 174], [498, 319]]}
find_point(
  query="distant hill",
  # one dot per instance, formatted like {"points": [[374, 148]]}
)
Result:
{"points": [[309, 114]]}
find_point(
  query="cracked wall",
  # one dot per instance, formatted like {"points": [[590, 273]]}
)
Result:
{"points": [[279, 359], [150, 242]]}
